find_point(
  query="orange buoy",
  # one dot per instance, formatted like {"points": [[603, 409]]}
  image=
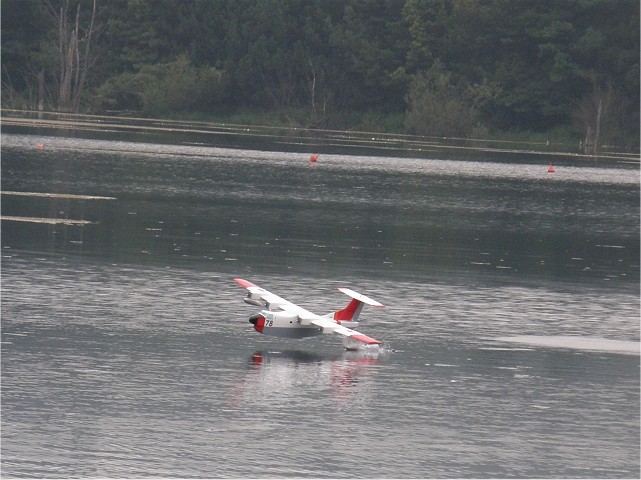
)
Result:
{"points": [[551, 168], [314, 157], [40, 146]]}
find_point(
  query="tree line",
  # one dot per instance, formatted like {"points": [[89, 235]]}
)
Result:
{"points": [[462, 68]]}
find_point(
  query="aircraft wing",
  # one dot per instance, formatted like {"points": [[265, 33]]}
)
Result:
{"points": [[262, 298], [330, 325]]}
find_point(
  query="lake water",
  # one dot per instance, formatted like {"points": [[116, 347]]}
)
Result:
{"points": [[511, 325]]}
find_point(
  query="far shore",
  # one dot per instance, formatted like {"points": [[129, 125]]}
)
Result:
{"points": [[311, 140]]}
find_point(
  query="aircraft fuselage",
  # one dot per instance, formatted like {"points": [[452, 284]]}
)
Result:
{"points": [[283, 325]]}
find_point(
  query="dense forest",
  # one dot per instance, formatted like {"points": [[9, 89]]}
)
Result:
{"points": [[458, 68]]}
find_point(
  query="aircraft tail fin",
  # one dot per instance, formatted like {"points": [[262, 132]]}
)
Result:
{"points": [[353, 309]]}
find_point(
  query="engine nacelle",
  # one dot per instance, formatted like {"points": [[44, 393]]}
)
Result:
{"points": [[250, 301], [255, 299], [258, 321]]}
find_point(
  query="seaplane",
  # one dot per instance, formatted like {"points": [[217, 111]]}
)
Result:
{"points": [[282, 318]]}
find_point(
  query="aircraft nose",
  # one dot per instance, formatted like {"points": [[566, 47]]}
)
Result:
{"points": [[258, 321]]}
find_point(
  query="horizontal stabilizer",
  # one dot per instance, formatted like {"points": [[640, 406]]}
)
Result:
{"points": [[360, 297]]}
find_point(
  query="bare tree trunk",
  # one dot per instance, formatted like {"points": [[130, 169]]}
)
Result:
{"points": [[73, 67], [41, 92], [597, 125], [62, 34], [593, 114], [601, 96], [86, 61], [76, 56], [313, 99], [319, 97], [587, 144], [66, 59]]}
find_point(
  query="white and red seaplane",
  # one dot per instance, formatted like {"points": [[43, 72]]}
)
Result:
{"points": [[282, 318]]}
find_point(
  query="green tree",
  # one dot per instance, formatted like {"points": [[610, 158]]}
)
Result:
{"points": [[164, 89], [25, 28], [439, 106], [55, 59], [369, 43], [509, 64]]}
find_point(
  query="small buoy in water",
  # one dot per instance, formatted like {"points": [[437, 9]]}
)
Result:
{"points": [[551, 168], [314, 157], [40, 146]]}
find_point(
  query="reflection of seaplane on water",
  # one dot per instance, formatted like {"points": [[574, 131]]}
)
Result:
{"points": [[282, 318], [288, 369], [286, 374]]}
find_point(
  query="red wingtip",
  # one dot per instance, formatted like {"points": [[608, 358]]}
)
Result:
{"points": [[243, 283], [365, 339]]}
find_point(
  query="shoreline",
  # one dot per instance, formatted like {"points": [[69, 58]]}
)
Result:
{"points": [[301, 139]]}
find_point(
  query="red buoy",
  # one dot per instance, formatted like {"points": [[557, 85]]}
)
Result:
{"points": [[40, 146], [551, 168], [314, 157]]}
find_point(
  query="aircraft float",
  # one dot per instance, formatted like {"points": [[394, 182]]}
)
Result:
{"points": [[282, 318]]}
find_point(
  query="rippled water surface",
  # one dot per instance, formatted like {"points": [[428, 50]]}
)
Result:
{"points": [[511, 325]]}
